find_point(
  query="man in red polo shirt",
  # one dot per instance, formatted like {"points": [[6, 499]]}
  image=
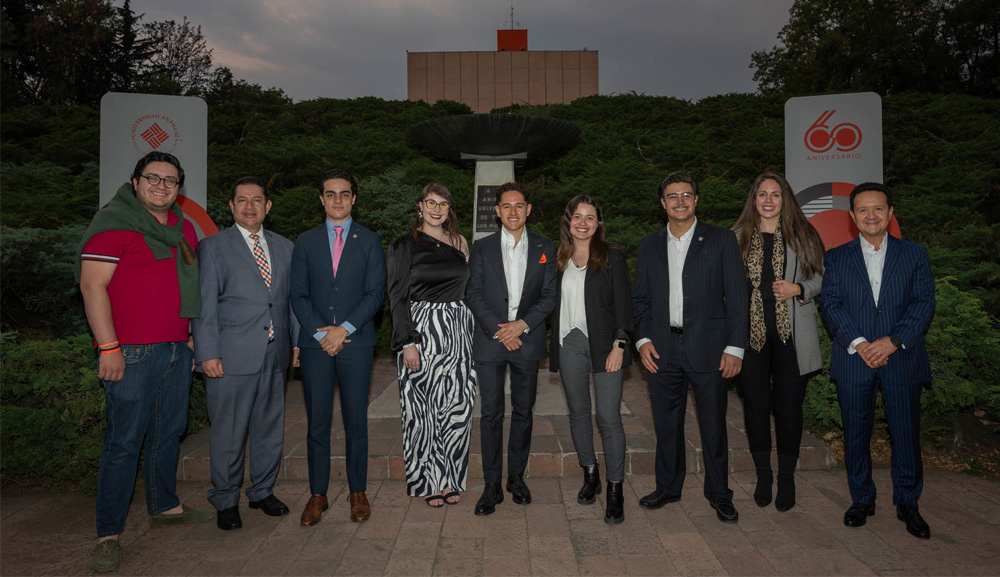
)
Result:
{"points": [[139, 278]]}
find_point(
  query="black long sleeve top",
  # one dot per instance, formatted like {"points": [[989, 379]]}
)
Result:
{"points": [[430, 271]]}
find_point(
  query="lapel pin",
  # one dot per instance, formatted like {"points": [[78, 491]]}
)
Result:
{"points": [[355, 235], [701, 238], [543, 260]]}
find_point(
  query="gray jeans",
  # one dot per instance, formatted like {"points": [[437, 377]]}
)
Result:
{"points": [[575, 369]]}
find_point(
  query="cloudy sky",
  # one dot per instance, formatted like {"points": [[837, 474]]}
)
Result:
{"points": [[325, 48]]}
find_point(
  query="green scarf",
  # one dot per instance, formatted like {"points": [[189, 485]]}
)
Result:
{"points": [[124, 212]]}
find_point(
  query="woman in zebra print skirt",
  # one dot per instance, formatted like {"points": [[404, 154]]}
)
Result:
{"points": [[432, 330]]}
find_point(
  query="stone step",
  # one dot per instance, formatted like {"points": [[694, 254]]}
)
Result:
{"points": [[552, 452]]}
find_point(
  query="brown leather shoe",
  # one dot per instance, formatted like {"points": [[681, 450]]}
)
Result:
{"points": [[314, 510], [360, 509]]}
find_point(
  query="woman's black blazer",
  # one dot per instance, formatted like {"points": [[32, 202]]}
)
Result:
{"points": [[608, 298]]}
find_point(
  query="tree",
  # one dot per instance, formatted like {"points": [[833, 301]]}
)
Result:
{"points": [[226, 88], [972, 31], [179, 61], [886, 46], [129, 50], [57, 51]]}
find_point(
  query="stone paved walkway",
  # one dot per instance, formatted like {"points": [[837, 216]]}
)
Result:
{"points": [[44, 533], [52, 533], [552, 452]]}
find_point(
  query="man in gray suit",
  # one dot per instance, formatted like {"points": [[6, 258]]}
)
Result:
{"points": [[691, 325], [242, 342]]}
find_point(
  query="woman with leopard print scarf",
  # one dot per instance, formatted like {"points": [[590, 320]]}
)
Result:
{"points": [[783, 254]]}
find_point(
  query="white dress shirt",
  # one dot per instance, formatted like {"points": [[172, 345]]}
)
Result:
{"points": [[874, 263], [515, 263], [572, 309], [677, 249]]}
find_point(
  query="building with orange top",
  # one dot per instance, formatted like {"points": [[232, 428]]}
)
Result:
{"points": [[511, 75]]}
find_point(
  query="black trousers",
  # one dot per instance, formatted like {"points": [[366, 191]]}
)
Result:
{"points": [[770, 381], [668, 396], [523, 386]]}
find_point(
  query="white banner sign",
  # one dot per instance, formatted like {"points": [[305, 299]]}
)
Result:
{"points": [[133, 125], [833, 143]]}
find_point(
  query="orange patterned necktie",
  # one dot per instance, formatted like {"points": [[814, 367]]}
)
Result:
{"points": [[265, 271]]}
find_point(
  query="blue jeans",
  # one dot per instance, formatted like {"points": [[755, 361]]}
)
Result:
{"points": [[151, 402]]}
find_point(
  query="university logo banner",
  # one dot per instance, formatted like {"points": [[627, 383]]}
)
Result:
{"points": [[133, 125]]}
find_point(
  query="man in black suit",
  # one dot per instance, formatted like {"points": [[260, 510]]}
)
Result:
{"points": [[691, 325], [512, 288]]}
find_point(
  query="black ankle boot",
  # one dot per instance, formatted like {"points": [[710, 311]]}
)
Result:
{"points": [[785, 499], [591, 485], [615, 513], [765, 477]]}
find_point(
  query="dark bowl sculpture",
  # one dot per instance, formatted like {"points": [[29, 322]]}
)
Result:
{"points": [[465, 138]]}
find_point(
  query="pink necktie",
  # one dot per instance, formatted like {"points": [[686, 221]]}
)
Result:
{"points": [[338, 247]]}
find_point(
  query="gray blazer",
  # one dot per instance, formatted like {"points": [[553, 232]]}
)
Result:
{"points": [[802, 314], [236, 305]]}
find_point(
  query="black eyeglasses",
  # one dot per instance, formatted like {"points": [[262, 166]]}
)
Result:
{"points": [[154, 179]]}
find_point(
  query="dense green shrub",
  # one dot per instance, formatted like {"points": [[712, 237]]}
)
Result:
{"points": [[52, 412], [965, 360], [48, 195], [39, 295]]}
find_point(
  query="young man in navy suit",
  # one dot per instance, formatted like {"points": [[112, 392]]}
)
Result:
{"points": [[512, 288], [878, 299], [338, 284], [241, 343], [691, 325]]}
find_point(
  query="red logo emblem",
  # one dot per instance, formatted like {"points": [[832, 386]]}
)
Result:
{"points": [[821, 138], [154, 136]]}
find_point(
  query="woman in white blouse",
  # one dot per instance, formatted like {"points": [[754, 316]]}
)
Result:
{"points": [[590, 336]]}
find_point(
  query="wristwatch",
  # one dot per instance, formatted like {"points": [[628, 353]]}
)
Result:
{"points": [[896, 341], [620, 345]]}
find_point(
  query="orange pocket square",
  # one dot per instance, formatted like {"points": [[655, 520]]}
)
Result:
{"points": [[543, 260]]}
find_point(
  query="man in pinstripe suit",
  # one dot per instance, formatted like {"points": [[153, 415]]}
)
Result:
{"points": [[689, 302], [878, 299]]}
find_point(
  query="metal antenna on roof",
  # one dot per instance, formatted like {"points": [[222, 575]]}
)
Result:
{"points": [[512, 22]]}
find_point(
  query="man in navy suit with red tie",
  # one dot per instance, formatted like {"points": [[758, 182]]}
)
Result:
{"points": [[878, 299], [338, 284]]}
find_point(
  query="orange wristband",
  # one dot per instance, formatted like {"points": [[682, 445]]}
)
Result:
{"points": [[109, 351]]}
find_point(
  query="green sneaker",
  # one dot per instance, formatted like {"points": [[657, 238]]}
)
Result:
{"points": [[104, 557], [190, 515]]}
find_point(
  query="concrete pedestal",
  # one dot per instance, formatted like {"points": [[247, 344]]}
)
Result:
{"points": [[490, 174]]}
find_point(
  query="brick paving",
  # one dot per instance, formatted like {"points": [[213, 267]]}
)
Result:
{"points": [[52, 533], [552, 453], [46, 533]]}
